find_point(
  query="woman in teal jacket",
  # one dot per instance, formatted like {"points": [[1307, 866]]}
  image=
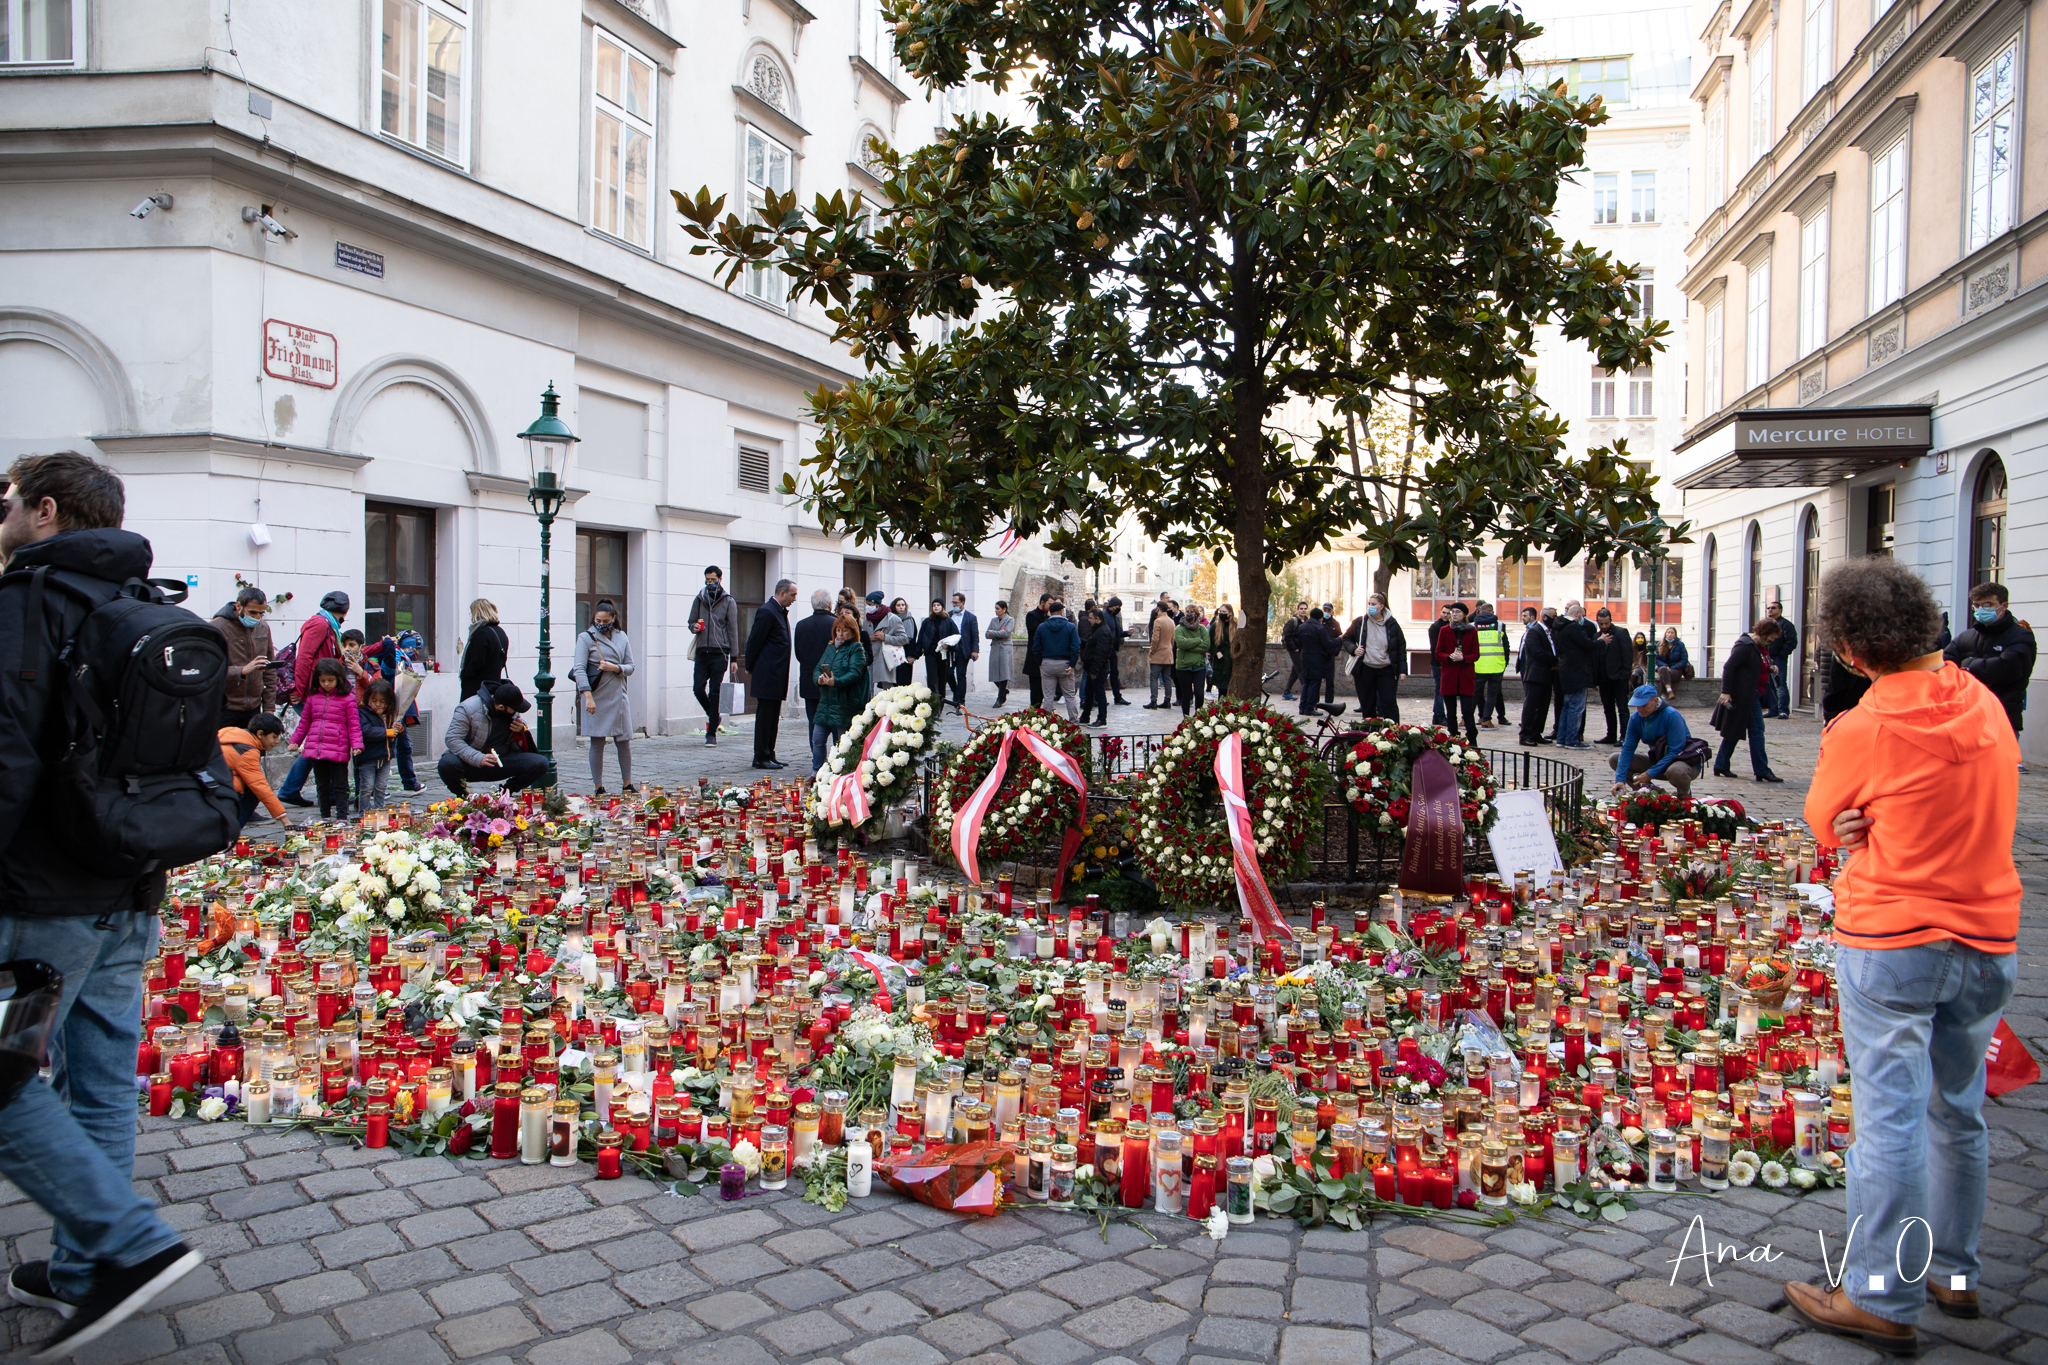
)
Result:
{"points": [[843, 682], [1190, 658]]}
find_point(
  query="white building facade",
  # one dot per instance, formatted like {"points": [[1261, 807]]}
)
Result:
{"points": [[470, 201]]}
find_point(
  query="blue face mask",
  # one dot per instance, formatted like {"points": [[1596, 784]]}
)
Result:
{"points": [[1985, 615], [252, 621]]}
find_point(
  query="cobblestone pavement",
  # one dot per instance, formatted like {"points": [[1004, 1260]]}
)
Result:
{"points": [[317, 1251]]}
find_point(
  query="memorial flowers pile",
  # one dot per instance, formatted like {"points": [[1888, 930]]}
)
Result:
{"points": [[396, 887], [878, 754], [1033, 806]]}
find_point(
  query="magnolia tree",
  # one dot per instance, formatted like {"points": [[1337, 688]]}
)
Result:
{"points": [[1216, 211]]}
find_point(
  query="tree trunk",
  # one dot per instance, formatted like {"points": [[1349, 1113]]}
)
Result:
{"points": [[1248, 479]]}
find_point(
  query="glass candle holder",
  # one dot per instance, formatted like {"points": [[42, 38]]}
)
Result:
{"points": [[831, 1118], [1060, 1186], [1493, 1174], [534, 1112], [732, 1181], [562, 1133], [1663, 1170], [1715, 1146], [1238, 1189], [774, 1157], [610, 1159]]}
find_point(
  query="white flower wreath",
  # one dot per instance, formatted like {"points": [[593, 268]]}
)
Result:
{"points": [[888, 772], [399, 883]]}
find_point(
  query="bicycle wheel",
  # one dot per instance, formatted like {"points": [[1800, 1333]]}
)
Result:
{"points": [[1340, 744]]}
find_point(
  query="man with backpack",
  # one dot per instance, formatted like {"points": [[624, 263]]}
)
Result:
{"points": [[76, 611], [319, 638]]}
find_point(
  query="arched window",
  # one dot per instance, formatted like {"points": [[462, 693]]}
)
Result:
{"points": [[1809, 605], [1987, 524], [1756, 576], [1712, 583]]}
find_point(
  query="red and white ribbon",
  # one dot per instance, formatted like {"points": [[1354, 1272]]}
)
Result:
{"points": [[968, 820], [1252, 891], [847, 800]]}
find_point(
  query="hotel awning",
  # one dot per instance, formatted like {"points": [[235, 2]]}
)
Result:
{"points": [[1808, 447]]}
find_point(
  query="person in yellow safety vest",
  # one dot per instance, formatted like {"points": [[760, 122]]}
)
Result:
{"points": [[1492, 664]]}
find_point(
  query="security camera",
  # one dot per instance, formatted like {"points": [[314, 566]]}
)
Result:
{"points": [[269, 226], [150, 205]]}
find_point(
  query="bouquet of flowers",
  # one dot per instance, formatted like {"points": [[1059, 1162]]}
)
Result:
{"points": [[481, 820], [403, 883], [1651, 809]]}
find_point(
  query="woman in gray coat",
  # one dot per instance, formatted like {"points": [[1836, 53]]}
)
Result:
{"points": [[1001, 629], [894, 631], [604, 660]]}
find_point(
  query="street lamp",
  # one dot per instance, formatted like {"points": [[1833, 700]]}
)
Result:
{"points": [[548, 442]]}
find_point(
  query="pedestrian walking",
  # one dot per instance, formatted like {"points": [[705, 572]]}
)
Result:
{"points": [[1536, 665], [1098, 648], [1491, 666], [894, 636], [1113, 612], [1918, 785], [1222, 648], [1457, 653], [1034, 657], [715, 641], [966, 651], [603, 660], [1778, 700], [69, 1141], [1319, 646], [1745, 678], [768, 655], [319, 639]]}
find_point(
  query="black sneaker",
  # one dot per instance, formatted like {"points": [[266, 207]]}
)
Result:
{"points": [[630, 789], [600, 792], [30, 1284], [295, 801], [118, 1293]]}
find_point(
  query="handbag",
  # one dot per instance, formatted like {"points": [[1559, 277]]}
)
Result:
{"points": [[892, 656]]}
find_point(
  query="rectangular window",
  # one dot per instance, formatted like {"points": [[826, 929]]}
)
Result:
{"points": [[1641, 393], [1517, 581], [600, 574], [1645, 290], [41, 32], [422, 77], [756, 469], [1817, 49], [398, 571], [1642, 196], [622, 120], [876, 38], [1715, 356], [768, 168], [1603, 393], [1813, 283], [1756, 334], [1606, 77], [1717, 152], [1763, 71], [1607, 198], [1993, 126], [1603, 584], [1888, 225]]}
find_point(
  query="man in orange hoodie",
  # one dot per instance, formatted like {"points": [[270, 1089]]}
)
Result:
{"points": [[1919, 787], [244, 750]]}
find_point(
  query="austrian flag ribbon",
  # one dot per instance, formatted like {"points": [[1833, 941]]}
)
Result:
{"points": [[846, 800], [1252, 892], [968, 820]]}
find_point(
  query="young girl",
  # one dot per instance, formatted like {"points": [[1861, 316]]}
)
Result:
{"points": [[381, 730], [329, 734]]}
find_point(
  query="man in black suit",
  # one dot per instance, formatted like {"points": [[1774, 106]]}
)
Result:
{"points": [[767, 658], [1536, 665], [1617, 661], [1032, 621], [966, 651], [811, 637]]}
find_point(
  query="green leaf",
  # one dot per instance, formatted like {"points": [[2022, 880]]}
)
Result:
{"points": [[1331, 1189], [1613, 1213]]}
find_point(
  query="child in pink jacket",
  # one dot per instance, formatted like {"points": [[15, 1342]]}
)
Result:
{"points": [[329, 734]]}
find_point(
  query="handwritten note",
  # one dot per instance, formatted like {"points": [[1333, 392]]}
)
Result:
{"points": [[1521, 839]]}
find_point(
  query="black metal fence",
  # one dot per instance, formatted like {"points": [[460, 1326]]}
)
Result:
{"points": [[1343, 851]]}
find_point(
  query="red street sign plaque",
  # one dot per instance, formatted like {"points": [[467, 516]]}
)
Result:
{"points": [[300, 354]]}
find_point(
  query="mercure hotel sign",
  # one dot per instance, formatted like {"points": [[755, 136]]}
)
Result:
{"points": [[1824, 432]]}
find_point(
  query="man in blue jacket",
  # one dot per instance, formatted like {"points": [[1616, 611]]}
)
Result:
{"points": [[1663, 734], [1058, 642]]}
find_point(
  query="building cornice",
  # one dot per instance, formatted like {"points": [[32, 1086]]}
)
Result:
{"points": [[514, 488], [221, 443], [698, 514]]}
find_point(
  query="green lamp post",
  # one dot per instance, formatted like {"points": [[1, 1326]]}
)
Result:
{"points": [[548, 443]]}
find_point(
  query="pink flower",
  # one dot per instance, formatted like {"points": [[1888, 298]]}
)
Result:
{"points": [[501, 826]]}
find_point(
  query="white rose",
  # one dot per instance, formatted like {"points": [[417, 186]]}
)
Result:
{"points": [[395, 910], [749, 1156], [212, 1108]]}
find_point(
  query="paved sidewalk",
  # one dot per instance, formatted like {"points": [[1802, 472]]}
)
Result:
{"points": [[320, 1252]]}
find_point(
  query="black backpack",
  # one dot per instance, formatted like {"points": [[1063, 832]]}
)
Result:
{"points": [[131, 752]]}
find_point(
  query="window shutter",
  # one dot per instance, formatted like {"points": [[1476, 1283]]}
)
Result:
{"points": [[754, 469]]}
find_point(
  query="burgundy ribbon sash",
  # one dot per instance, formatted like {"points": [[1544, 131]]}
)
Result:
{"points": [[1433, 859]]}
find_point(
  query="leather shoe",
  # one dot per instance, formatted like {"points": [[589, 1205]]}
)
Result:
{"points": [[1957, 1303], [1772, 778], [1832, 1311], [1724, 772]]}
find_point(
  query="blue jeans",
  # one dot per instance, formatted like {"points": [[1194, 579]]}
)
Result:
{"points": [[1571, 728], [1915, 1023], [295, 780], [70, 1144], [248, 805], [822, 741], [406, 777], [1162, 681], [1436, 692], [1759, 761], [1783, 686]]}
